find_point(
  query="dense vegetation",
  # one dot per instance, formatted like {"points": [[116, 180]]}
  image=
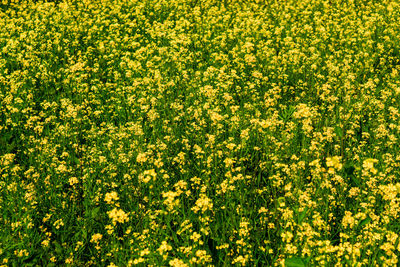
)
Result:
{"points": [[184, 133]]}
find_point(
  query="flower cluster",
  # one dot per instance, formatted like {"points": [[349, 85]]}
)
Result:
{"points": [[196, 133]]}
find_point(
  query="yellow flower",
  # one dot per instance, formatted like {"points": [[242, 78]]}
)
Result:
{"points": [[177, 263], [58, 223], [348, 220], [164, 247], [73, 180], [96, 238], [45, 243], [118, 215], [111, 197], [202, 204], [368, 165], [333, 163], [141, 158]]}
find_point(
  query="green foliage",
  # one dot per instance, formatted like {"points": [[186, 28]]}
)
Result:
{"points": [[197, 133]]}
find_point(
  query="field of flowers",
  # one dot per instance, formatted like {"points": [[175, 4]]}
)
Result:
{"points": [[199, 133]]}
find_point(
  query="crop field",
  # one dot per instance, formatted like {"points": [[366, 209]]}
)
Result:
{"points": [[199, 133]]}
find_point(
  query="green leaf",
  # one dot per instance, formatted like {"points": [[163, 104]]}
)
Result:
{"points": [[339, 131], [58, 248], [294, 262], [355, 180], [281, 200], [302, 215], [349, 169], [95, 212], [84, 234], [364, 222]]}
